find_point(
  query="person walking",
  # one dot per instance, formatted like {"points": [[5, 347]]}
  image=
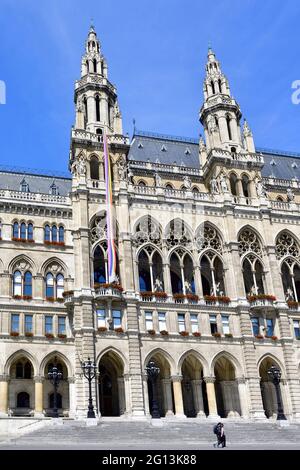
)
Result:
{"points": [[219, 431]]}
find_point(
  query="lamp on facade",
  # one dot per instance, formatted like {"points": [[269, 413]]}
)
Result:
{"points": [[152, 372], [89, 371], [275, 375], [55, 377]]}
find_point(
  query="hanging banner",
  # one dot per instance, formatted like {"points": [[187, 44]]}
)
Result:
{"points": [[111, 249]]}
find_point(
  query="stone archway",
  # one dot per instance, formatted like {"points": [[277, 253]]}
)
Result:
{"points": [[111, 385], [194, 400], [267, 387], [163, 385], [226, 387], [63, 399], [21, 396]]}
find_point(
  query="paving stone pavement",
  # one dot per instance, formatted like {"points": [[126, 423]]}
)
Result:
{"points": [[190, 434]]}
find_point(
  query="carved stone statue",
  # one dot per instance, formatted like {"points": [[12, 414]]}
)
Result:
{"points": [[78, 167], [158, 180], [290, 195], [253, 291], [187, 182], [261, 189], [223, 183], [158, 287], [218, 289], [129, 174], [122, 169], [289, 295], [214, 186], [188, 287]]}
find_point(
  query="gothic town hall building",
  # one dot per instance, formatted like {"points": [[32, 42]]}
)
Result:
{"points": [[207, 239]]}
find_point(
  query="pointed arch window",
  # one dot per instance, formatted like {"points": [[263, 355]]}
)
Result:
{"points": [[17, 283], [95, 65], [23, 231], [97, 103], [213, 87], [94, 168], [59, 286], [228, 119], [212, 274], [49, 285], [245, 185], [47, 233], [30, 232], [61, 234], [16, 230], [287, 249], [233, 184], [54, 233], [182, 273], [150, 270], [28, 284], [253, 275], [220, 85]]}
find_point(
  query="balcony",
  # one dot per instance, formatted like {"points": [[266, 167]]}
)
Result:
{"points": [[108, 291], [262, 302]]}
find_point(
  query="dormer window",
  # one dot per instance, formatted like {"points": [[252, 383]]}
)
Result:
{"points": [[163, 148], [187, 151], [24, 187], [272, 162], [140, 145], [54, 190], [294, 165]]}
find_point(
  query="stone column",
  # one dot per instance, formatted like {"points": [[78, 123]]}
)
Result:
{"points": [[38, 287], [211, 396], [241, 383], [178, 396], [256, 409], [198, 398], [4, 394], [38, 392], [239, 186], [72, 397], [168, 402], [121, 393], [274, 277], [146, 395], [291, 371]]}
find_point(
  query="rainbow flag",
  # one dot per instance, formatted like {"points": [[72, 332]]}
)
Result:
{"points": [[111, 248]]}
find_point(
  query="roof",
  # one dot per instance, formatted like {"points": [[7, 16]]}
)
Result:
{"points": [[38, 181], [146, 146], [160, 148]]}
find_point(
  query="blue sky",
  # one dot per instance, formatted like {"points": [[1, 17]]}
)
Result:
{"points": [[156, 52]]}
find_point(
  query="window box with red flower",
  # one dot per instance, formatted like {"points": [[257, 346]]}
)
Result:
{"points": [[184, 333], [61, 336], [22, 240], [30, 241], [164, 333], [119, 330], [151, 332], [228, 335], [60, 300], [50, 299], [216, 335], [27, 297], [28, 334], [14, 333], [160, 295], [254, 298], [293, 304], [259, 336], [49, 335], [179, 297], [197, 334], [17, 297], [102, 329], [110, 285], [146, 294], [192, 297], [274, 338]]}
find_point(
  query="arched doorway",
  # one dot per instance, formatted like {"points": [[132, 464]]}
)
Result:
{"points": [[111, 385], [62, 398], [227, 393], [163, 384], [21, 387], [194, 400], [268, 390]]}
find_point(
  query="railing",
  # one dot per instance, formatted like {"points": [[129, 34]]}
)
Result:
{"points": [[34, 197], [171, 193], [280, 205], [281, 182], [242, 157], [248, 201], [164, 167], [108, 292], [82, 134], [94, 78], [258, 303]]}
